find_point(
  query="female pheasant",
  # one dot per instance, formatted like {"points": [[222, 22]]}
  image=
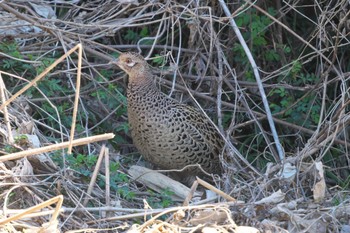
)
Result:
{"points": [[167, 133]]}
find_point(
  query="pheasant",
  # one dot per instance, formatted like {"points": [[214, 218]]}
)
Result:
{"points": [[169, 134]]}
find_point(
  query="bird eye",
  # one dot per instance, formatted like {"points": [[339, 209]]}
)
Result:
{"points": [[129, 62]]}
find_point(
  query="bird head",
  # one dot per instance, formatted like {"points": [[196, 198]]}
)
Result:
{"points": [[131, 63]]}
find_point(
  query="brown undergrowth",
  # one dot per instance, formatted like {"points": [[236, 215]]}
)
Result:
{"points": [[60, 98]]}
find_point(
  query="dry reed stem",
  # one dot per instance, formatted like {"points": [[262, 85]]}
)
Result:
{"points": [[108, 182], [40, 76], [77, 93], [31, 215], [191, 193], [160, 212], [3, 100], [95, 173], [212, 188], [62, 145], [46, 71], [58, 200], [6, 114]]}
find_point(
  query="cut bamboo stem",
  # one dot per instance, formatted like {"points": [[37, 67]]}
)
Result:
{"points": [[77, 142]]}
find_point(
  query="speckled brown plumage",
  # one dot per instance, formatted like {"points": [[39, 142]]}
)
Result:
{"points": [[167, 133]]}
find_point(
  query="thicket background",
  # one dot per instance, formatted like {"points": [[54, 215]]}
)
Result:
{"points": [[302, 52]]}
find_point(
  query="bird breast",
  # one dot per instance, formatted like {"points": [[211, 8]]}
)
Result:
{"points": [[169, 134]]}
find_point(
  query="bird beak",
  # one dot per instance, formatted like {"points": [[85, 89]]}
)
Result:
{"points": [[114, 62]]}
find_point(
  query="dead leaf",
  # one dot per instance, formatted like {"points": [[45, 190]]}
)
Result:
{"points": [[208, 216], [276, 197], [289, 171], [245, 229], [44, 10], [319, 189], [214, 230]]}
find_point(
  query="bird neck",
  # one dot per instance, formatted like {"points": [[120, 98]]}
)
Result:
{"points": [[142, 83]]}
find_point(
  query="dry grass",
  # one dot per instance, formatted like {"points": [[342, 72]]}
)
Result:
{"points": [[308, 192]]}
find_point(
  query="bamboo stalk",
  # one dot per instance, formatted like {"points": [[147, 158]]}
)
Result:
{"points": [[77, 142]]}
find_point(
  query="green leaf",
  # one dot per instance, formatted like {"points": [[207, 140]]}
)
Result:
{"points": [[144, 32], [131, 35]]}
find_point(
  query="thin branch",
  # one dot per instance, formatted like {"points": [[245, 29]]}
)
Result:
{"points": [[258, 79]]}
